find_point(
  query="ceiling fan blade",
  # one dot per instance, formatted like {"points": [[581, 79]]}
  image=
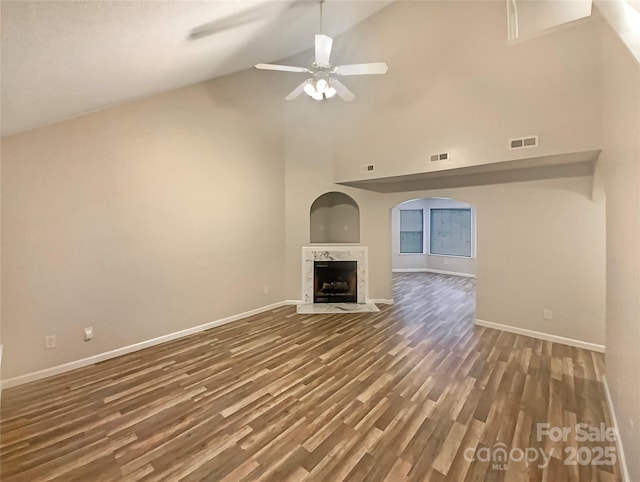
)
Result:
{"points": [[323, 49], [344, 93], [362, 69], [284, 68], [296, 92]]}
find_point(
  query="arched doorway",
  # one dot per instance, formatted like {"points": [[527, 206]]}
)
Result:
{"points": [[433, 255]]}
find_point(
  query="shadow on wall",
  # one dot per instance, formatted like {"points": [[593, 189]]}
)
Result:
{"points": [[334, 218], [434, 235]]}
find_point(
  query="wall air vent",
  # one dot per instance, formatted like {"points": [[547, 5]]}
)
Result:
{"points": [[367, 168], [439, 157], [523, 142]]}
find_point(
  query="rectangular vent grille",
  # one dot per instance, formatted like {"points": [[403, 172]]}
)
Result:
{"points": [[523, 142], [439, 157], [367, 168]]}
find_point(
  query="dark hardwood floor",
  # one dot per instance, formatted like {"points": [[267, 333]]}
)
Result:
{"points": [[413, 392]]}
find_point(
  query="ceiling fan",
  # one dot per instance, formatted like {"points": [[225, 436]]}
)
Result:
{"points": [[323, 83]]}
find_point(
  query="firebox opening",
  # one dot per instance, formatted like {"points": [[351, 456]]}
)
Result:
{"points": [[335, 282]]}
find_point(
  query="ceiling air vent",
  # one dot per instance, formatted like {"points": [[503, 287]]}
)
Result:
{"points": [[367, 168], [439, 157], [523, 142]]}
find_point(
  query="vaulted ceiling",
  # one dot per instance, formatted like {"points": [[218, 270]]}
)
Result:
{"points": [[62, 59]]}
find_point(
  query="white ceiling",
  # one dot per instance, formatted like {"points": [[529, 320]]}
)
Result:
{"points": [[62, 59]]}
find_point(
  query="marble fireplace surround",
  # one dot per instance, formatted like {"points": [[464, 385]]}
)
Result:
{"points": [[334, 253]]}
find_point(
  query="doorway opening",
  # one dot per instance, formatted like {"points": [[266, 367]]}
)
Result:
{"points": [[433, 251]]}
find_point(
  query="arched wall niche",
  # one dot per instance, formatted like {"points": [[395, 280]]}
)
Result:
{"points": [[334, 218]]}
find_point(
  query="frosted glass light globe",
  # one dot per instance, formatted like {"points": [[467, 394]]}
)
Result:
{"points": [[309, 89]]}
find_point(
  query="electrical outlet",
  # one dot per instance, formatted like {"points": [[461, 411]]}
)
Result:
{"points": [[266, 290], [547, 314], [50, 342], [88, 333]]}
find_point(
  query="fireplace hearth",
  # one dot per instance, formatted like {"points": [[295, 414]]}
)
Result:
{"points": [[335, 282]]}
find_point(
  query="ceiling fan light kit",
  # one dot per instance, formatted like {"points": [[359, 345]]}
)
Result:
{"points": [[319, 89], [323, 83]]}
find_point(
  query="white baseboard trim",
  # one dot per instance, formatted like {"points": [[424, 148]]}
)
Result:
{"points": [[542, 336], [451, 273], [621, 458], [409, 270], [435, 271], [292, 302], [56, 370], [382, 301]]}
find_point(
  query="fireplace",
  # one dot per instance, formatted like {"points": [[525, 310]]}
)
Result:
{"points": [[357, 255], [335, 282]]}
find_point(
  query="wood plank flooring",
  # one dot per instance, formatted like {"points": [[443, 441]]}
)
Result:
{"points": [[403, 394]]}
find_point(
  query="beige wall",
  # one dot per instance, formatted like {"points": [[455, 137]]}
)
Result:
{"points": [[454, 85], [308, 175], [540, 244], [1, 345], [621, 172], [622, 17], [405, 261], [141, 220]]}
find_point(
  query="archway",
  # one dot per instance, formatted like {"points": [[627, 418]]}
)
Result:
{"points": [[433, 258]]}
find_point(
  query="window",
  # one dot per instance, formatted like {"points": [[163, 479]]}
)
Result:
{"points": [[411, 231], [451, 232]]}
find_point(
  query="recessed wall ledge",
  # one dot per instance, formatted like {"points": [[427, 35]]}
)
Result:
{"points": [[532, 168]]}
